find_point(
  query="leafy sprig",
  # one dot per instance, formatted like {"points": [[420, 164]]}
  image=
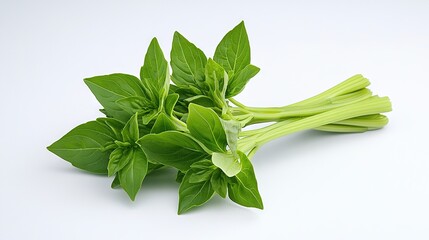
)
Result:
{"points": [[190, 121]]}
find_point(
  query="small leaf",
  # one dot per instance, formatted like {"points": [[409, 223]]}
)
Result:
{"points": [[162, 124], [84, 146], [114, 125], [130, 133], [205, 125], [172, 148], [219, 183], [134, 104], [179, 177], [187, 62], [116, 183], [170, 102], [203, 164], [217, 81], [201, 175], [118, 159], [243, 187], [232, 128], [239, 81], [154, 73], [132, 175], [233, 51], [193, 194], [110, 88], [229, 164]]}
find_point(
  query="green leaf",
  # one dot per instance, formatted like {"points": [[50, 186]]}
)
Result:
{"points": [[205, 125], [110, 88], [187, 62], [162, 124], [201, 175], [219, 183], [203, 164], [135, 104], [154, 73], [132, 175], [130, 133], [237, 83], [233, 51], [172, 148], [229, 164], [114, 125], [179, 177], [170, 103], [243, 187], [232, 128], [118, 159], [85, 146], [193, 194], [115, 182]]}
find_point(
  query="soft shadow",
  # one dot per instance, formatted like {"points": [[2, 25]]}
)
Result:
{"points": [[221, 206]]}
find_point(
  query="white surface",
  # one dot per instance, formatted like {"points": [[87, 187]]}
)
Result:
{"points": [[314, 186]]}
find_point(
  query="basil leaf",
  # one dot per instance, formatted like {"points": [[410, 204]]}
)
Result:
{"points": [[203, 164], [233, 51], [154, 73], [118, 159], [114, 125], [115, 182], [110, 88], [179, 177], [237, 83], [232, 128], [132, 175], [229, 164], [193, 194], [162, 124], [201, 175], [130, 133], [217, 80], [84, 146], [187, 62], [243, 187], [172, 148], [170, 102], [219, 183], [205, 125]]}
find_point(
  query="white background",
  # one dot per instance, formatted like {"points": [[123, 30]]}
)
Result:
{"points": [[314, 186]]}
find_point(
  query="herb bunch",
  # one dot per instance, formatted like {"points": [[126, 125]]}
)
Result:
{"points": [[190, 121]]}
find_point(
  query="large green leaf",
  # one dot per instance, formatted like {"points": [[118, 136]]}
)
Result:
{"points": [[237, 83], [243, 187], [187, 62], [233, 51], [172, 148], [205, 125], [193, 194], [132, 175], [154, 73], [110, 88], [85, 146]]}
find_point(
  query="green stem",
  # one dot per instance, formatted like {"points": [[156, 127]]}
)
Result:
{"points": [[353, 84], [372, 105]]}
